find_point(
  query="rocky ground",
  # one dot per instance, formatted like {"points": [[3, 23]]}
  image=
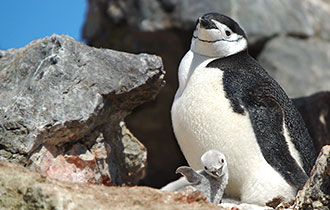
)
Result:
{"points": [[22, 189], [68, 109]]}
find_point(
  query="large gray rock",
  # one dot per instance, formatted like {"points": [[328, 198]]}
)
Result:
{"points": [[62, 109], [316, 192], [321, 15], [300, 66]]}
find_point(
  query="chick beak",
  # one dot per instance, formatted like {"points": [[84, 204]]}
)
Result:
{"points": [[216, 172]]}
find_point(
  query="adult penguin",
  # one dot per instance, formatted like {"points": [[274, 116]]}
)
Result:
{"points": [[226, 101]]}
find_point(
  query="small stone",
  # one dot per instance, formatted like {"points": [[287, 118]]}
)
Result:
{"points": [[316, 192]]}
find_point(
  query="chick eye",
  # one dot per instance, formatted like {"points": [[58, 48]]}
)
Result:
{"points": [[205, 168], [222, 161], [228, 33]]}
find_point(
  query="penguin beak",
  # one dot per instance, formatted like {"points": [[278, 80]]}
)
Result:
{"points": [[216, 172], [206, 23]]}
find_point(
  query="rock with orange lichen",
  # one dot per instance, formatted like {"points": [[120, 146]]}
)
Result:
{"points": [[79, 164]]}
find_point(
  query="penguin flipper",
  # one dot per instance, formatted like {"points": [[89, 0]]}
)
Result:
{"points": [[177, 185], [190, 174], [267, 117]]}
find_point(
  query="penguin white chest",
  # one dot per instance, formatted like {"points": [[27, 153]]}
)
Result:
{"points": [[203, 119]]}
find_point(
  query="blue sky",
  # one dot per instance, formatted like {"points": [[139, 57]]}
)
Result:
{"points": [[22, 21]]}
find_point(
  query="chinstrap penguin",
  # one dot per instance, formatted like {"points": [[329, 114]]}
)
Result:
{"points": [[211, 180], [226, 101]]}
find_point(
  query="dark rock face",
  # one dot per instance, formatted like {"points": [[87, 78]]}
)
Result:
{"points": [[62, 109], [156, 130], [315, 110], [164, 27], [316, 192]]}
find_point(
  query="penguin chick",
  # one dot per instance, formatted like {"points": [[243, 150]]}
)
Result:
{"points": [[211, 181]]}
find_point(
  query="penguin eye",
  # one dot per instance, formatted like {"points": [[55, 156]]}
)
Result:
{"points": [[228, 33], [205, 168], [222, 161]]}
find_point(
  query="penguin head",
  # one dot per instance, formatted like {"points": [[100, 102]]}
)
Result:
{"points": [[214, 163], [217, 35]]}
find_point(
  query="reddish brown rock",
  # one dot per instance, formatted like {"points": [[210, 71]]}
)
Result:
{"points": [[79, 164]]}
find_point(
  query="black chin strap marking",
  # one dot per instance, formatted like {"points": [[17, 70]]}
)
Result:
{"points": [[217, 40]]}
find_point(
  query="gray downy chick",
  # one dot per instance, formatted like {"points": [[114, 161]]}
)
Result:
{"points": [[211, 181]]}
